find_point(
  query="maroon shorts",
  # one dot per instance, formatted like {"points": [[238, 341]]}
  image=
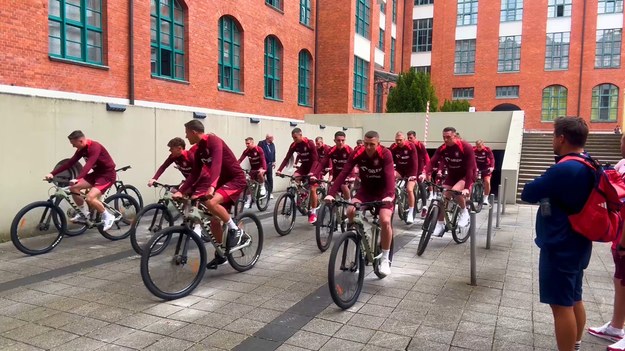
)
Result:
{"points": [[254, 173], [451, 180], [485, 172], [231, 190], [619, 267], [101, 181], [364, 197], [200, 188]]}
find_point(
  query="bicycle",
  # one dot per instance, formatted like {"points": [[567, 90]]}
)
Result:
{"points": [[50, 224], [331, 217], [296, 196], [174, 260], [253, 188], [452, 212], [156, 217], [357, 248], [477, 194], [127, 189]]}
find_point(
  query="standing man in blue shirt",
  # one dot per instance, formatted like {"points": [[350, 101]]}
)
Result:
{"points": [[564, 254], [270, 157]]}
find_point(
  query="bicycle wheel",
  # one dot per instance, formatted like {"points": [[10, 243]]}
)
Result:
{"points": [[284, 214], [402, 206], [262, 202], [172, 271], [325, 226], [421, 197], [72, 228], [132, 191], [377, 251], [38, 228], [245, 258], [346, 270], [150, 220], [477, 197], [460, 234], [125, 209], [240, 205], [428, 228]]}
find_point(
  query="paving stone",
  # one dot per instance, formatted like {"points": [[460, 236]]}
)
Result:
{"points": [[167, 344], [80, 343], [365, 321], [193, 332], [224, 339], [391, 341], [343, 345], [84, 325], [52, 339], [356, 334], [321, 326], [244, 326], [308, 340], [110, 333]]}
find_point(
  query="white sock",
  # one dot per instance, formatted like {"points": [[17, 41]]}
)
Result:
{"points": [[313, 211], [107, 214], [411, 209], [85, 209], [249, 198], [197, 228], [385, 254], [614, 331], [232, 225], [578, 345]]}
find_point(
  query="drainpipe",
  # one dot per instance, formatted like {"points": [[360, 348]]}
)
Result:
{"points": [[581, 63], [316, 54], [403, 37], [131, 50]]}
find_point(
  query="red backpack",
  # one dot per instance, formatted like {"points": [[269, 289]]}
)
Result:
{"points": [[600, 218]]}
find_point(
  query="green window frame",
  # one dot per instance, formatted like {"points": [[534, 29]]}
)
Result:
{"points": [[381, 40], [361, 85], [610, 6], [275, 4], [559, 8], [379, 97], [423, 69], [422, 34], [75, 30], [304, 12], [423, 2], [394, 17], [467, 13], [273, 69], [167, 35], [464, 58], [363, 17], [604, 103], [304, 78], [511, 10], [462, 93], [557, 51], [392, 63], [608, 49], [383, 8], [229, 47], [554, 102], [509, 54], [507, 92]]}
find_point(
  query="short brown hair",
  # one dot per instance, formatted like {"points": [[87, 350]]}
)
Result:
{"points": [[296, 131], [574, 130], [412, 132], [372, 134], [195, 126], [249, 139], [449, 129], [319, 138], [176, 142], [77, 134]]}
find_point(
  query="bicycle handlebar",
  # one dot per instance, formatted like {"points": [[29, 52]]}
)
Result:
{"points": [[358, 205], [441, 188], [166, 186], [123, 169]]}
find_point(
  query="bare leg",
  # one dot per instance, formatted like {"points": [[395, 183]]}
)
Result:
{"points": [[565, 327], [618, 316]]}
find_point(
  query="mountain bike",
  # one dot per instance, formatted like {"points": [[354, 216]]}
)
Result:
{"points": [[295, 197], [331, 217], [253, 188]]}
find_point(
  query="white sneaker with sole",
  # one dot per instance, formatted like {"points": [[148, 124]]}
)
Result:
{"points": [[485, 202], [617, 346], [439, 230], [410, 217], [385, 267], [463, 221], [263, 191], [607, 332], [108, 220], [271, 196]]}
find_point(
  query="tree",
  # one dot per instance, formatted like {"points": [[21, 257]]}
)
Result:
{"points": [[455, 105], [411, 94]]}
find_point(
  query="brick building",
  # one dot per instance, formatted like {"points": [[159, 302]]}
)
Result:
{"points": [[546, 57]]}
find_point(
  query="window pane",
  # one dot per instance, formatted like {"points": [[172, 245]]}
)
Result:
{"points": [[166, 64], [73, 49], [165, 33], [54, 8], [153, 60], [94, 54], [72, 12], [94, 38], [93, 19]]}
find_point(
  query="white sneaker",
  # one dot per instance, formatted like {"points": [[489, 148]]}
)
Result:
{"points": [[618, 346], [248, 203], [439, 230], [263, 191], [84, 211], [463, 221], [197, 229], [485, 202], [108, 220], [431, 197], [607, 332], [410, 217], [385, 267], [271, 196]]}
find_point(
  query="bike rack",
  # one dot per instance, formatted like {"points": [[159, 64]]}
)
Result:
{"points": [[499, 194], [472, 235], [489, 232]]}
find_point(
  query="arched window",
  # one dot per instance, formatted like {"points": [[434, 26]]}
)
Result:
{"points": [[75, 30], [167, 39], [604, 102], [229, 42], [554, 102], [304, 78], [273, 68]]}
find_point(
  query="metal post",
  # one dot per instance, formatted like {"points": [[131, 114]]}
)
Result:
{"points": [[472, 235], [489, 232], [503, 201], [499, 206]]}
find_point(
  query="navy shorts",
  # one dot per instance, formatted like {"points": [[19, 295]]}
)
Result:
{"points": [[560, 282]]}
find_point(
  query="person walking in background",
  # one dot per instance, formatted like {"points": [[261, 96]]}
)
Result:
{"points": [[270, 157]]}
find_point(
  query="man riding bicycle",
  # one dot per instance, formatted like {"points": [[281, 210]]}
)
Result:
{"points": [[485, 161], [405, 158], [98, 181], [337, 159], [183, 160], [460, 162], [377, 184], [322, 152], [258, 166]]}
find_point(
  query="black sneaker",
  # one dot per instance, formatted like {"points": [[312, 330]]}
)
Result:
{"points": [[236, 237], [216, 262]]}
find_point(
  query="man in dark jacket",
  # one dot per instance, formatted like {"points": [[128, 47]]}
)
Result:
{"points": [[564, 254], [270, 157]]}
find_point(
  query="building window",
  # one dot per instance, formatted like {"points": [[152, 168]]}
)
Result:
{"points": [[273, 69], [462, 93], [507, 92], [379, 97], [167, 39], [511, 10], [554, 102], [423, 2], [274, 3], [383, 8], [229, 46], [381, 41], [392, 63], [559, 8], [509, 54], [604, 103], [304, 12], [467, 12], [610, 6], [608, 50], [557, 51], [363, 17], [394, 11], [423, 69], [464, 61], [304, 78], [75, 30], [361, 71], [422, 35]]}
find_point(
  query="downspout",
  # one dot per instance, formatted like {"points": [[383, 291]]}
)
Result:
{"points": [[581, 63], [403, 38], [131, 50], [316, 54]]}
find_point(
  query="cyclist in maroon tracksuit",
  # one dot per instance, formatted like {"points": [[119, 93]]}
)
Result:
{"points": [[258, 164], [424, 159], [322, 152], [308, 158], [183, 160], [406, 163], [337, 158], [461, 169], [377, 178], [485, 161]]}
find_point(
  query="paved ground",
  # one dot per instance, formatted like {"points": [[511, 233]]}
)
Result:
{"points": [[87, 294]]}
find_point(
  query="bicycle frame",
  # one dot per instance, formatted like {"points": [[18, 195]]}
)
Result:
{"points": [[63, 193]]}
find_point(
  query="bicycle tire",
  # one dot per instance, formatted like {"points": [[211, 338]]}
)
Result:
{"points": [[132, 191], [240, 205], [428, 228], [457, 232], [421, 197], [477, 198], [359, 265], [81, 228], [180, 234], [401, 206], [126, 201], [325, 223], [282, 209], [153, 228], [19, 221], [262, 202], [232, 259], [378, 250]]}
